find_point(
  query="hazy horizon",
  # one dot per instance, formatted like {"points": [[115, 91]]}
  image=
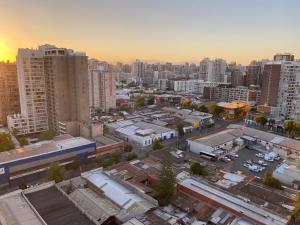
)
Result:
{"points": [[166, 31]]}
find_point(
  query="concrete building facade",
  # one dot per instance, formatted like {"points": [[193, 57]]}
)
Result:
{"points": [[9, 91], [102, 88]]}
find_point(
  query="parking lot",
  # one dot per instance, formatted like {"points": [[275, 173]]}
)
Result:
{"points": [[246, 154]]}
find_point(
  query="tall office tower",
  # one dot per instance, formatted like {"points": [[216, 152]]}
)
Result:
{"points": [[254, 73], [66, 79], [237, 78], [206, 70], [102, 88], [9, 91], [32, 90], [284, 57], [219, 70], [138, 70], [289, 90], [270, 84]]}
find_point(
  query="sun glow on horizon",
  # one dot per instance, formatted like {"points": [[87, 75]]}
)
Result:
{"points": [[5, 53]]}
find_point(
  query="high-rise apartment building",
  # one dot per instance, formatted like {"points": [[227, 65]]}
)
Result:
{"points": [[281, 87], [32, 90], [54, 91], [289, 91], [138, 70], [67, 89], [284, 57], [9, 91], [206, 70], [228, 93], [270, 84], [102, 88], [254, 73], [213, 70]]}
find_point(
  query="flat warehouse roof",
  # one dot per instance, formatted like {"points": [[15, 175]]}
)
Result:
{"points": [[240, 206], [42, 148], [56, 209]]}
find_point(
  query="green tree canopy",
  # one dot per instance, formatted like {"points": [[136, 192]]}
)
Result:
{"points": [[22, 140], [47, 135], [187, 104], [56, 173], [131, 156], [75, 164], [197, 169], [215, 109], [292, 127], [296, 211], [203, 108], [131, 84], [139, 101], [150, 100], [5, 142], [166, 183], [180, 129], [128, 148], [271, 181], [261, 119], [156, 144]]}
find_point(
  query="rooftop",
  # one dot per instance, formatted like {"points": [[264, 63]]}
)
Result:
{"points": [[266, 136], [55, 208], [219, 138], [43, 147], [117, 192], [14, 209], [234, 203], [232, 105]]}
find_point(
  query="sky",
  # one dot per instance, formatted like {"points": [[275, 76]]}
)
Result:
{"points": [[153, 30]]}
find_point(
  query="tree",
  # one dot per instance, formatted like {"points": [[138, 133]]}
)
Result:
{"points": [[139, 101], [166, 182], [23, 183], [203, 108], [216, 110], [292, 127], [197, 169], [156, 144], [5, 142], [47, 135], [75, 164], [22, 140], [131, 84], [105, 160], [261, 119], [271, 181], [131, 156], [116, 156], [187, 104], [128, 148], [180, 129], [296, 211], [150, 100], [56, 172]]}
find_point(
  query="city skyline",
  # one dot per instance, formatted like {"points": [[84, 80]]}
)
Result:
{"points": [[171, 31]]}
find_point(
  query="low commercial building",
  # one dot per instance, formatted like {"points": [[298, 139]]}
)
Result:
{"points": [[44, 204], [288, 174], [234, 109], [129, 202], [30, 161], [217, 145], [140, 133], [285, 147], [246, 211]]}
